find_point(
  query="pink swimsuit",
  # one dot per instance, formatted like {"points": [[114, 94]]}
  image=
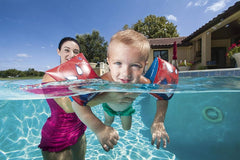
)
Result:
{"points": [[61, 129]]}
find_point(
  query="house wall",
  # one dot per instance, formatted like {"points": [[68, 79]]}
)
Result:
{"points": [[183, 53], [104, 68]]}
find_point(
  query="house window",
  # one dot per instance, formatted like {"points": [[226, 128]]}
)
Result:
{"points": [[161, 53]]}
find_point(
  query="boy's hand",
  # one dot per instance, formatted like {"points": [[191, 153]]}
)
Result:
{"points": [[108, 137], [159, 133]]}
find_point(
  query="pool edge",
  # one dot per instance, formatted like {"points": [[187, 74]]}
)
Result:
{"points": [[211, 72]]}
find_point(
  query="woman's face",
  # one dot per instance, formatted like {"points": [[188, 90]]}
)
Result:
{"points": [[69, 49]]}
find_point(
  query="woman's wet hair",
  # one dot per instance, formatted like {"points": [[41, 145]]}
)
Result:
{"points": [[65, 39]]}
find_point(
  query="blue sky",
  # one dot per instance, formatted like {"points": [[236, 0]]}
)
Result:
{"points": [[31, 29]]}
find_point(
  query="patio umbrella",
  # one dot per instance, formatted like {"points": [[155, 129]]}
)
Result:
{"points": [[174, 50], [174, 61]]}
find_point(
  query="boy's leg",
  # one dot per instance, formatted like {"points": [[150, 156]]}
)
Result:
{"points": [[79, 149], [108, 119], [126, 122], [65, 154]]}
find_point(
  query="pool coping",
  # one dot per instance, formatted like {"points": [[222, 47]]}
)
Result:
{"points": [[211, 73]]}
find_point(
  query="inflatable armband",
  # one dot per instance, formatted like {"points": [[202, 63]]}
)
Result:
{"points": [[162, 72], [76, 68]]}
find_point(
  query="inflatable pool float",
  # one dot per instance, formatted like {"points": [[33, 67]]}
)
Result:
{"points": [[212, 114]]}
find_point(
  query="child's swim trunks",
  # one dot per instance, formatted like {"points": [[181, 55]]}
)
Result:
{"points": [[127, 112]]}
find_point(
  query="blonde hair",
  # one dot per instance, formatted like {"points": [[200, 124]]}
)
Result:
{"points": [[133, 39]]}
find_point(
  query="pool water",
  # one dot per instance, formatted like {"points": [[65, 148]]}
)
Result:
{"points": [[21, 123], [192, 136], [192, 133]]}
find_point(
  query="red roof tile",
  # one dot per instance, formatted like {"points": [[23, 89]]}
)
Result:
{"points": [[166, 42]]}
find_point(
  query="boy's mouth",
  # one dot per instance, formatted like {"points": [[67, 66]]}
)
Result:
{"points": [[125, 80]]}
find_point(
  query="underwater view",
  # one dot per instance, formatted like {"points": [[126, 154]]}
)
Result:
{"points": [[201, 121]]}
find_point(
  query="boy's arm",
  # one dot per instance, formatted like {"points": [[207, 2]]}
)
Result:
{"points": [[99, 99], [158, 129], [106, 135]]}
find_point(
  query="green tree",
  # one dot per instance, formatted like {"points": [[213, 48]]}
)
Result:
{"points": [[30, 72], [23, 74], [155, 27], [17, 73], [12, 72], [93, 46], [3, 74]]}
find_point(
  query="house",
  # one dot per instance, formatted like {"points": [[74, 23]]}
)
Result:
{"points": [[100, 69], [207, 46]]}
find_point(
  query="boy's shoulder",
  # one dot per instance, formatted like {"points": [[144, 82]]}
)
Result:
{"points": [[107, 76], [144, 80]]}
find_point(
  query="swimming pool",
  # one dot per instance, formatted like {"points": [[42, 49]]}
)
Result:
{"points": [[196, 131]]}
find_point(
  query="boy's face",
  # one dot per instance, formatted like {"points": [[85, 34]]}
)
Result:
{"points": [[125, 62], [69, 49]]}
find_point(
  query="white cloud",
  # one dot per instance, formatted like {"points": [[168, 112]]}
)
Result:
{"points": [[201, 3], [189, 4], [219, 5], [23, 55], [171, 17]]}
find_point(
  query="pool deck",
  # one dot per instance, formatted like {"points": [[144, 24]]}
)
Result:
{"points": [[211, 73]]}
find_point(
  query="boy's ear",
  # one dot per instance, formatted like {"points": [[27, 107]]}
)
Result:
{"points": [[145, 68], [146, 63]]}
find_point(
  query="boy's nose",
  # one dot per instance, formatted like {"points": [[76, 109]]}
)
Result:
{"points": [[126, 72]]}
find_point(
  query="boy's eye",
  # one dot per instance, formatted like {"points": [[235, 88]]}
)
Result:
{"points": [[118, 63], [137, 65]]}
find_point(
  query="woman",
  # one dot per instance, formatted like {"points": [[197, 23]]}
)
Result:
{"points": [[63, 134]]}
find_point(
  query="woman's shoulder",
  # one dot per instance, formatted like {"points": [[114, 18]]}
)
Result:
{"points": [[47, 78]]}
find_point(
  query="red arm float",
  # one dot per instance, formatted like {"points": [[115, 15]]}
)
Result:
{"points": [[76, 68], [162, 72]]}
